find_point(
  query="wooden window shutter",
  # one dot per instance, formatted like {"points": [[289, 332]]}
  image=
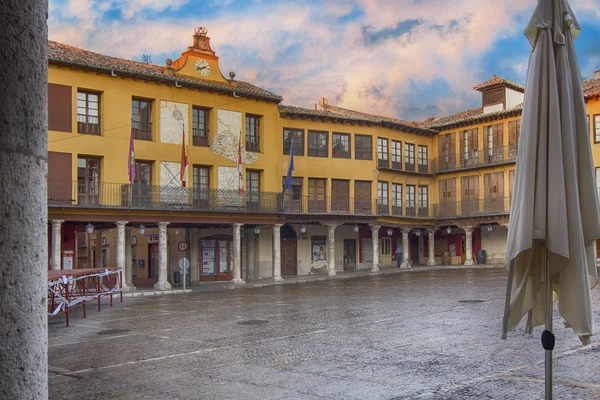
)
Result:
{"points": [[500, 184], [474, 139], [441, 148], [60, 112], [512, 132], [452, 143], [464, 187], [486, 185], [461, 147], [452, 190], [498, 135], [511, 181]]}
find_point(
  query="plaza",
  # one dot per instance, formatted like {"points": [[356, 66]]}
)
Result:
{"points": [[430, 333]]}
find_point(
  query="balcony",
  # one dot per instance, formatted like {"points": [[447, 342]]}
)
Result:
{"points": [[473, 208], [475, 159], [88, 125], [174, 198], [422, 166], [200, 137], [252, 144]]}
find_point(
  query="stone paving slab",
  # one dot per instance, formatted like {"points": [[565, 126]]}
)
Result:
{"points": [[398, 336]]}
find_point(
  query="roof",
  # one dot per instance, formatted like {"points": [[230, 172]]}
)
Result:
{"points": [[591, 87], [343, 115], [63, 54], [497, 81], [469, 117]]}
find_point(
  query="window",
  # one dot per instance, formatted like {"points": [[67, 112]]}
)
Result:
{"points": [[409, 156], [362, 197], [410, 200], [493, 143], [60, 111], [382, 153], [297, 135], [493, 184], [396, 155], [446, 152], [200, 126], [201, 185], [293, 196], [252, 189], [493, 97], [88, 112], [319, 247], [597, 128], [423, 159], [340, 145], [88, 181], [141, 119], [316, 195], [252, 133], [396, 199], [340, 195], [469, 153], [382, 197], [423, 201], [318, 144], [142, 186], [386, 246], [363, 147]]}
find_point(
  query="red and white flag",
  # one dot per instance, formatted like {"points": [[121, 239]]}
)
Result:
{"points": [[239, 167], [184, 159]]}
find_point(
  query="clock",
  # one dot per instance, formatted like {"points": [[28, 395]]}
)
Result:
{"points": [[202, 67]]}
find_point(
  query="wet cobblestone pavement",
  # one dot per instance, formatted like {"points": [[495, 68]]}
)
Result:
{"points": [[406, 336]]}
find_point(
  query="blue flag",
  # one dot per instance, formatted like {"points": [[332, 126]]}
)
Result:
{"points": [[288, 178]]}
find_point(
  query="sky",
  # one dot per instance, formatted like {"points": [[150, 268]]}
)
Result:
{"points": [[410, 59]]}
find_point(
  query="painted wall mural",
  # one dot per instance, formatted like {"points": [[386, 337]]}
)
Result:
{"points": [[225, 142], [173, 116], [171, 190]]}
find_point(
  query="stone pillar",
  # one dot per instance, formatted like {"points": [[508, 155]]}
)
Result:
{"points": [[121, 245], [56, 243], [405, 249], [375, 240], [237, 255], [98, 256], [129, 267], [331, 250], [431, 260], [163, 283], [194, 256], [469, 246], [23, 200], [277, 253], [251, 254]]}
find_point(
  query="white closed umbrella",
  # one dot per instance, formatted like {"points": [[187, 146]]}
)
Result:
{"points": [[555, 216]]}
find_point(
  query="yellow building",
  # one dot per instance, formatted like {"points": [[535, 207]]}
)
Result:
{"points": [[363, 186]]}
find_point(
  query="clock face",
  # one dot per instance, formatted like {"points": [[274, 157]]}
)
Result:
{"points": [[202, 67]]}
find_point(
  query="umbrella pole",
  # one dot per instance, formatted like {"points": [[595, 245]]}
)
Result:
{"points": [[548, 353], [511, 271]]}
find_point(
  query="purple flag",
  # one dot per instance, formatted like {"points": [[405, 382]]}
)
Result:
{"points": [[131, 160]]}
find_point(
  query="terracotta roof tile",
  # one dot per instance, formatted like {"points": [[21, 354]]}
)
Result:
{"points": [[60, 53], [470, 116], [591, 87], [495, 81], [343, 115]]}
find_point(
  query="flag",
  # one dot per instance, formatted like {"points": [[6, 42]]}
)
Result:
{"points": [[184, 159], [131, 160], [239, 167], [288, 178]]}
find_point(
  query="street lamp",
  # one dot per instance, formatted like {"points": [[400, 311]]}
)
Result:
{"points": [[489, 228], [257, 230], [302, 229], [417, 232], [355, 228], [448, 230], [141, 229], [390, 231], [89, 228]]}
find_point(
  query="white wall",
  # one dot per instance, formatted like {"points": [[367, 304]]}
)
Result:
{"points": [[493, 108], [264, 268], [513, 98], [494, 244]]}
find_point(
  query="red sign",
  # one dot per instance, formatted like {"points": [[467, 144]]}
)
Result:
{"points": [[182, 246]]}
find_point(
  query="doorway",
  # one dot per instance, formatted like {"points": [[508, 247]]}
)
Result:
{"points": [[349, 254], [153, 261], [289, 249], [216, 258]]}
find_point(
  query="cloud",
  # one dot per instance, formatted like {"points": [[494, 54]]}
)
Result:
{"points": [[361, 54]]}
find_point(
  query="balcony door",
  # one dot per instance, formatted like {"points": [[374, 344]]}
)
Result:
{"points": [[447, 197], [88, 181], [494, 151], [446, 149], [493, 185], [362, 197], [340, 195], [142, 186], [469, 195], [316, 195]]}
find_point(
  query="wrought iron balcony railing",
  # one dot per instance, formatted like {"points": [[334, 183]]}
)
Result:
{"points": [[475, 159], [88, 124], [200, 137], [154, 197], [473, 208], [141, 130], [423, 166]]}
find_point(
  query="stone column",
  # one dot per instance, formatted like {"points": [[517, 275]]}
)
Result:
{"points": [[98, 256], [163, 283], [375, 240], [331, 250], [129, 267], [56, 243], [121, 245], [23, 200], [251, 254], [405, 249], [431, 260], [277, 253], [469, 246], [194, 256], [237, 255]]}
